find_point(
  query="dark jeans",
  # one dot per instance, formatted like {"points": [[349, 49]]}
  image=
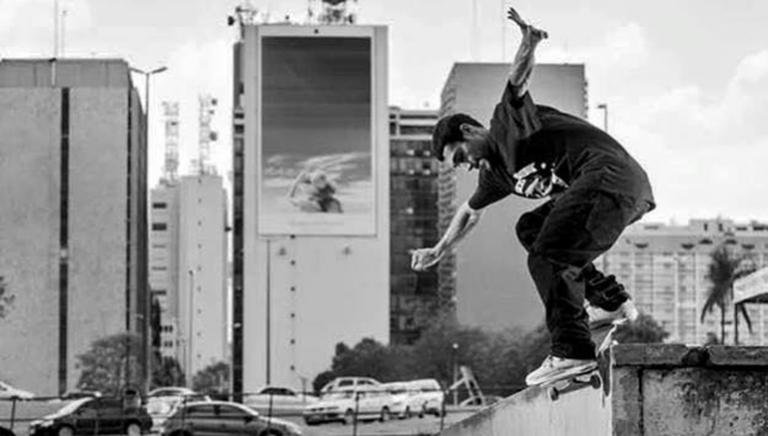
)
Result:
{"points": [[563, 237]]}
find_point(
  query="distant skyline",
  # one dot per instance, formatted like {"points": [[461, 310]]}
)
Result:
{"points": [[685, 82]]}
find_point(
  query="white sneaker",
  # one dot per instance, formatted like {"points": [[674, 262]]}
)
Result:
{"points": [[556, 368], [598, 317]]}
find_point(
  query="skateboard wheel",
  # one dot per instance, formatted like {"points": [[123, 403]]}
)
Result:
{"points": [[553, 394], [595, 381]]}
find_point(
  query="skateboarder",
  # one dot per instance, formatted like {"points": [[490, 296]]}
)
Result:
{"points": [[595, 190]]}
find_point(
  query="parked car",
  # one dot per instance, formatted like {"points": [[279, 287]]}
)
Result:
{"points": [[402, 402], [427, 396], [161, 407], [93, 416], [8, 391], [278, 400], [345, 383], [223, 417], [344, 405]]}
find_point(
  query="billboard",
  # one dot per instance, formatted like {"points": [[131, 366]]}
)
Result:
{"points": [[316, 161]]}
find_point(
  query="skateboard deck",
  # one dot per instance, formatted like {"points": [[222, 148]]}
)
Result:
{"points": [[596, 377]]}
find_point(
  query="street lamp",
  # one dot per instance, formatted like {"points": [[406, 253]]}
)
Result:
{"points": [[454, 350], [147, 75], [604, 107]]}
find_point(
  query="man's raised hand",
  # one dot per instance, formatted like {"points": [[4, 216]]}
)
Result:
{"points": [[528, 30], [424, 258]]}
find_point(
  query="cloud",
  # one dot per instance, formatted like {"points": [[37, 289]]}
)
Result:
{"points": [[704, 150], [624, 47]]}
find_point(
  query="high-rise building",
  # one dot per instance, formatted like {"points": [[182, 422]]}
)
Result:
{"points": [[665, 268], [73, 166], [188, 264], [487, 273], [311, 209], [413, 221]]}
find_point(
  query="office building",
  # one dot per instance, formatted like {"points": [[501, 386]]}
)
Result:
{"points": [[488, 272], [665, 268], [73, 166], [188, 270], [414, 300], [310, 208]]}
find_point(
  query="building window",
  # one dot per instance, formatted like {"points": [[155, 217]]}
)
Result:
{"points": [[159, 268], [160, 205], [159, 226]]}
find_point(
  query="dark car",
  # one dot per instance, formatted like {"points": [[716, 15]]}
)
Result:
{"points": [[93, 416], [222, 417]]}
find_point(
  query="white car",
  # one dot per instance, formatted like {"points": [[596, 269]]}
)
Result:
{"points": [[347, 383], [8, 391], [281, 400], [164, 403], [402, 402], [344, 405], [426, 396]]}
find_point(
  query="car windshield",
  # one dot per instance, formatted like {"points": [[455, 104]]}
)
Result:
{"points": [[338, 395], [71, 407]]}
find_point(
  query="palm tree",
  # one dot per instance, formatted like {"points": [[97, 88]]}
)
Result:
{"points": [[724, 269]]}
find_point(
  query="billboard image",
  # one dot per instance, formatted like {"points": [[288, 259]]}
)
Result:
{"points": [[316, 175]]}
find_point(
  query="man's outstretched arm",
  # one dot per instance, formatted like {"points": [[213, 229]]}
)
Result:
{"points": [[462, 222], [522, 66]]}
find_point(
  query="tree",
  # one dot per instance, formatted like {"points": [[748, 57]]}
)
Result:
{"points": [[724, 269], [645, 330], [103, 367], [6, 300], [213, 380], [166, 371]]}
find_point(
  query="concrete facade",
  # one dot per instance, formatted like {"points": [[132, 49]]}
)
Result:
{"points": [[488, 272], [296, 296], [202, 314], [665, 268], [188, 257], [73, 217], [164, 264]]}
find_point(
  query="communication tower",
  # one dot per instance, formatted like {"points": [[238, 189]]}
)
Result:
{"points": [[171, 115]]}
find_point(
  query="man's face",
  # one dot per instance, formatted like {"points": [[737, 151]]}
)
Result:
{"points": [[466, 154]]}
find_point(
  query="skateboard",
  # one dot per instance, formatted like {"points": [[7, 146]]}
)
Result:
{"points": [[595, 377]]}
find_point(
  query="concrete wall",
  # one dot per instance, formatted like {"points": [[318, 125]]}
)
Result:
{"points": [[164, 266], [29, 236], [493, 286], [101, 273], [321, 289], [656, 389], [97, 215], [202, 249]]}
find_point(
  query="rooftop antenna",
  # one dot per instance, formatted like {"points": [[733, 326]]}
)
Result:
{"points": [[333, 12], [245, 14], [207, 135], [171, 113]]}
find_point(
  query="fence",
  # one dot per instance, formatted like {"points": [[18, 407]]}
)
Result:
{"points": [[357, 412]]}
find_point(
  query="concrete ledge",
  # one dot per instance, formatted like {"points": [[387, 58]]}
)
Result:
{"points": [[656, 389], [679, 355]]}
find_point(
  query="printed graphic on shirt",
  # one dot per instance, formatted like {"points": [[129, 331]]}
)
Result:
{"points": [[537, 180]]}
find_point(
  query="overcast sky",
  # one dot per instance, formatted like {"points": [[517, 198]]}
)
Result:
{"points": [[685, 81]]}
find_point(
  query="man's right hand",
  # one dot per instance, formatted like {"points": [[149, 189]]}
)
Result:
{"points": [[424, 258]]}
